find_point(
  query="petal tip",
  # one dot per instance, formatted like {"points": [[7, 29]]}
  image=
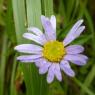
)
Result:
{"points": [[83, 27], [81, 20], [49, 81], [24, 35], [53, 16], [29, 28], [18, 58], [42, 17], [16, 48], [73, 75]]}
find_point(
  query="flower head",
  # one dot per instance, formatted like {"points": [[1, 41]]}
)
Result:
{"points": [[50, 55]]}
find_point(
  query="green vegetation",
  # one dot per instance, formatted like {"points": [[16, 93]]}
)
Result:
{"points": [[23, 79]]}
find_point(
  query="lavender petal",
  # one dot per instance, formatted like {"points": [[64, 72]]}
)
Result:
{"points": [[53, 22], [57, 71], [50, 75], [35, 30], [64, 65], [74, 49], [77, 59], [29, 48], [28, 58], [49, 31], [75, 31], [37, 39], [43, 69]]}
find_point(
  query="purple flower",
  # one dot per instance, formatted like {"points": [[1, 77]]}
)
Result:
{"points": [[50, 55]]}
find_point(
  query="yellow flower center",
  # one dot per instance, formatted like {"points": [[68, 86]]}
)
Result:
{"points": [[54, 51]]}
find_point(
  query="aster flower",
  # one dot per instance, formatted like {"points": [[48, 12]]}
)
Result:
{"points": [[50, 55]]}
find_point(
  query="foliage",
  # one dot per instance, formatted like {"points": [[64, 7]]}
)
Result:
{"points": [[23, 79]]}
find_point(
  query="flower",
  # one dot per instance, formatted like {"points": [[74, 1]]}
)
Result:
{"points": [[50, 55]]}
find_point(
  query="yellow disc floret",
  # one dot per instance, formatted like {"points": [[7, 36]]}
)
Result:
{"points": [[54, 51]]}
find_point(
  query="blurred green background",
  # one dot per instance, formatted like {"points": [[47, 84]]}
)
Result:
{"points": [[67, 12]]}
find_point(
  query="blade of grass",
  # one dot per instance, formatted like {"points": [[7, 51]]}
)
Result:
{"points": [[62, 11], [19, 21], [9, 23], [89, 78], [70, 8], [91, 28], [75, 9], [88, 91], [82, 9], [33, 13], [47, 6], [33, 19], [12, 85], [19, 18], [1, 12], [3, 64], [1, 5]]}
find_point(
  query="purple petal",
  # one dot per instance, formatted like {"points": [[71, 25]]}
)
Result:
{"points": [[43, 69], [53, 22], [76, 26], [35, 30], [79, 31], [64, 65], [77, 59], [29, 48], [74, 49], [50, 75], [39, 39], [28, 58], [49, 31], [57, 71], [74, 32], [40, 62]]}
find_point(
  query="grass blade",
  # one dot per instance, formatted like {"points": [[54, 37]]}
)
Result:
{"points": [[89, 92], [19, 18], [47, 6], [3, 64]]}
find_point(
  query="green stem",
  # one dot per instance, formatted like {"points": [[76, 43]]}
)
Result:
{"points": [[12, 85], [3, 64]]}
